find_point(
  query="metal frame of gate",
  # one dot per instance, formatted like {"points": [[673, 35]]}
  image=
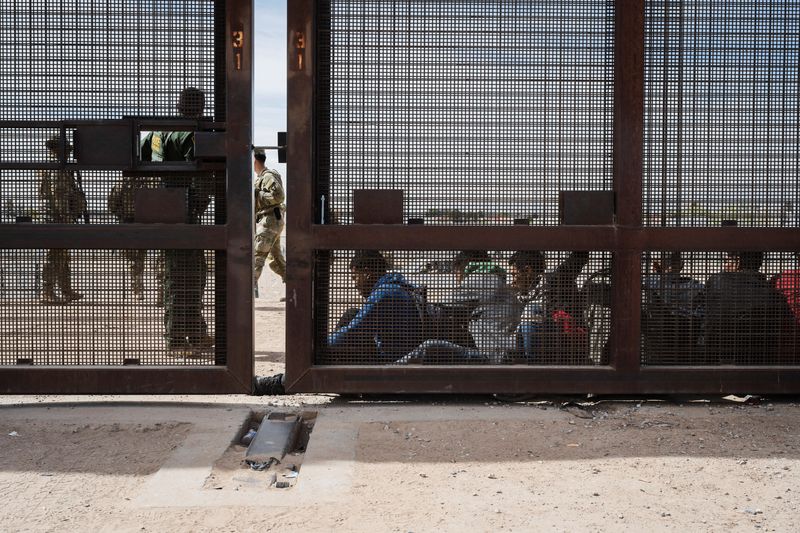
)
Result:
{"points": [[232, 370], [628, 238]]}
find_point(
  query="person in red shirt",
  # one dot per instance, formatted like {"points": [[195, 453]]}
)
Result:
{"points": [[788, 284]]}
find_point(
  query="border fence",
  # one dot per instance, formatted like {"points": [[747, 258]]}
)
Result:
{"points": [[124, 143], [529, 196]]}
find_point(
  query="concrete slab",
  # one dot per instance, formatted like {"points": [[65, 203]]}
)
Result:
{"points": [[329, 466], [328, 469]]}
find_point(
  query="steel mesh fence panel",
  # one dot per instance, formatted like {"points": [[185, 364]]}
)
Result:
{"points": [[481, 112], [91, 60], [487, 114], [722, 115], [714, 308], [109, 307], [461, 308]]}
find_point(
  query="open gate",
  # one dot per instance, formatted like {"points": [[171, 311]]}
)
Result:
{"points": [[637, 159], [125, 198]]}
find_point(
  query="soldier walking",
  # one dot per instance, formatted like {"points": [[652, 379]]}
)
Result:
{"points": [[121, 205], [270, 215], [185, 271], [64, 202]]}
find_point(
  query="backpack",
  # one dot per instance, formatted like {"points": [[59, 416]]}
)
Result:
{"points": [[672, 328], [747, 319], [442, 322]]}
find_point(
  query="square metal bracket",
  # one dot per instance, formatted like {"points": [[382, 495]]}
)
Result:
{"points": [[160, 206], [378, 206], [209, 145], [586, 208], [110, 144]]}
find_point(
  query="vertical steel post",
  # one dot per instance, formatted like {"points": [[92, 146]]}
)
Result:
{"points": [[239, 253], [300, 178], [628, 144]]}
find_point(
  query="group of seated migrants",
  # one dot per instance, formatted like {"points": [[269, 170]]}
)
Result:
{"points": [[526, 314], [522, 314], [738, 316]]}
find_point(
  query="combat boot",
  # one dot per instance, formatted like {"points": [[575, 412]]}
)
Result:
{"points": [[177, 347], [138, 292], [71, 296], [268, 385], [49, 297], [204, 342]]}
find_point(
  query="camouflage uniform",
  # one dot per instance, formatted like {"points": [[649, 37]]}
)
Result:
{"points": [[185, 271], [120, 204], [64, 203], [270, 219]]}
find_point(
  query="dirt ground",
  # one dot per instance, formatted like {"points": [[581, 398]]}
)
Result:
{"points": [[423, 464]]}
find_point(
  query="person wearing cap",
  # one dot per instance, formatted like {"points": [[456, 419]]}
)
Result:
{"points": [[64, 202], [185, 271], [270, 216]]}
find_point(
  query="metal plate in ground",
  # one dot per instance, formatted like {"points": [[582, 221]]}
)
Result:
{"points": [[275, 437]]}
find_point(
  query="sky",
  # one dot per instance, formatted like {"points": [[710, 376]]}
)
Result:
{"points": [[269, 91]]}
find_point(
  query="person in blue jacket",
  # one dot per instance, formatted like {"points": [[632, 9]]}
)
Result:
{"points": [[389, 323]]}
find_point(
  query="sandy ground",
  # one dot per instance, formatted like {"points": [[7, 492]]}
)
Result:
{"points": [[270, 329], [455, 464]]}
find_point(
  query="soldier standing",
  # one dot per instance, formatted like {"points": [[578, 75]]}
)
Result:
{"points": [[270, 218], [64, 202], [121, 205], [184, 270]]}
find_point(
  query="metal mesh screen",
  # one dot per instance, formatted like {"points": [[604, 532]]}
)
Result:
{"points": [[110, 307], [436, 307], [713, 308], [722, 115], [91, 60], [481, 112]]}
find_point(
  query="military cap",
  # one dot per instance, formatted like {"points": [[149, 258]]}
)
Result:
{"points": [[259, 152]]}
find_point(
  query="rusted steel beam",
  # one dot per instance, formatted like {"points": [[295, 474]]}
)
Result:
{"points": [[420, 237], [628, 143], [121, 380], [239, 325], [301, 63], [548, 380], [121, 236], [628, 110]]}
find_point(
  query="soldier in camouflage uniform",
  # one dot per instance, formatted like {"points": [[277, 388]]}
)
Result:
{"points": [[270, 211], [64, 202], [185, 271], [120, 204]]}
